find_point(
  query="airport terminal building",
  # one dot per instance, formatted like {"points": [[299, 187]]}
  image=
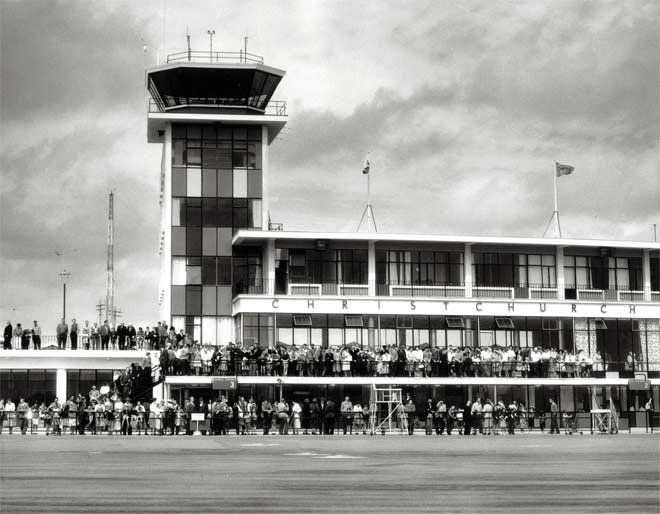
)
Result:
{"points": [[229, 275]]}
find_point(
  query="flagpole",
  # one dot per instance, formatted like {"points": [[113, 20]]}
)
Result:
{"points": [[556, 212]]}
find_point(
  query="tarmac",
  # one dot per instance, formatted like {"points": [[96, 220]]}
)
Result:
{"points": [[318, 474]]}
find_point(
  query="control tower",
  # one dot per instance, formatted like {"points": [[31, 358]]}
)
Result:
{"points": [[214, 115]]}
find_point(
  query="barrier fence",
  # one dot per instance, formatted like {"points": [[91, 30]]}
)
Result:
{"points": [[116, 423]]}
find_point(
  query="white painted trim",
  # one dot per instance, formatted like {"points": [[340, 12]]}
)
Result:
{"points": [[508, 290], [342, 288], [640, 293], [245, 235], [541, 289], [69, 359], [393, 287], [330, 304], [306, 286], [590, 291], [406, 381]]}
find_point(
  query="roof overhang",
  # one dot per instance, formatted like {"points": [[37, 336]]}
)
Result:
{"points": [[247, 236], [157, 121]]}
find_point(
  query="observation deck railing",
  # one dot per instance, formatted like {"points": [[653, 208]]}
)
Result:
{"points": [[240, 57], [430, 289], [217, 106]]}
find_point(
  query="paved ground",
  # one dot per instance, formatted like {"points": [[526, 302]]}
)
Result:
{"points": [[521, 474]]}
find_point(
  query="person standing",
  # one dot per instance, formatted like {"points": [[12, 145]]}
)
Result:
{"points": [[36, 336], [347, 415], [74, 334], [411, 413], [62, 332], [189, 408], [18, 334], [329, 417], [8, 334], [104, 332], [10, 415], [554, 413], [440, 417], [315, 416], [86, 334], [22, 415], [25, 339]]}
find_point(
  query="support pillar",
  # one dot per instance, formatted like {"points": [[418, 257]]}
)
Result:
{"points": [[269, 261], [559, 266], [60, 385], [371, 270], [646, 274], [467, 272]]}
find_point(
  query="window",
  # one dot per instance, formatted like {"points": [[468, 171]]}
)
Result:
{"points": [[240, 183], [455, 323], [504, 323], [254, 213], [178, 271], [550, 324], [194, 182], [507, 270], [400, 267], [193, 212], [178, 212], [302, 320], [404, 322], [208, 271], [599, 324], [194, 270], [353, 321]]}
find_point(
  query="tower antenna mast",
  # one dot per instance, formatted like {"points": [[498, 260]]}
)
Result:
{"points": [[110, 286]]}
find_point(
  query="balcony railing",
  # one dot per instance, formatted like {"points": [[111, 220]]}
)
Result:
{"points": [[443, 290], [239, 57], [216, 106]]}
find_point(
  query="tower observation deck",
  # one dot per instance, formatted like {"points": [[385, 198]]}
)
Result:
{"points": [[215, 116], [203, 84]]}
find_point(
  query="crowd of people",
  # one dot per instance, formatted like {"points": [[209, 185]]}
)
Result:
{"points": [[107, 411], [90, 336], [181, 355], [188, 358]]}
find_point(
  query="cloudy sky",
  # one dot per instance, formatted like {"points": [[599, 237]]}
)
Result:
{"points": [[462, 106]]}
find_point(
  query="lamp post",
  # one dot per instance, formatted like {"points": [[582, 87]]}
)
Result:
{"points": [[64, 275], [211, 33]]}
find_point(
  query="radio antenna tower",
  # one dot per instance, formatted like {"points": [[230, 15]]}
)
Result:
{"points": [[110, 286]]}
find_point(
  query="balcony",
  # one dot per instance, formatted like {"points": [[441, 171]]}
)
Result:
{"points": [[216, 106], [442, 290]]}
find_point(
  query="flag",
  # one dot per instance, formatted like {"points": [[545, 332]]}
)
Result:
{"points": [[563, 169], [365, 170]]}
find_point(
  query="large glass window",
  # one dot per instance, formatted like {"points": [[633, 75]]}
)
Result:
{"points": [[603, 272], [426, 268], [513, 270], [309, 266]]}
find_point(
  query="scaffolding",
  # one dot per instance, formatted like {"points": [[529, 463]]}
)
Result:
{"points": [[385, 402], [603, 420]]}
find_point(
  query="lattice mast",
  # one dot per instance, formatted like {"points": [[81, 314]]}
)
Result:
{"points": [[110, 285]]}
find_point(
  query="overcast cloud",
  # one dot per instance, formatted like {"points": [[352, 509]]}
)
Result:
{"points": [[462, 107]]}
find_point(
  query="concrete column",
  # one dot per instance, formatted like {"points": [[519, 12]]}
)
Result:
{"points": [[561, 282], [264, 177], [157, 392], [269, 265], [646, 274], [60, 385], [467, 272], [371, 273]]}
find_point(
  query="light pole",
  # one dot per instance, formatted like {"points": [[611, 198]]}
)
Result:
{"points": [[211, 33], [64, 275]]}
